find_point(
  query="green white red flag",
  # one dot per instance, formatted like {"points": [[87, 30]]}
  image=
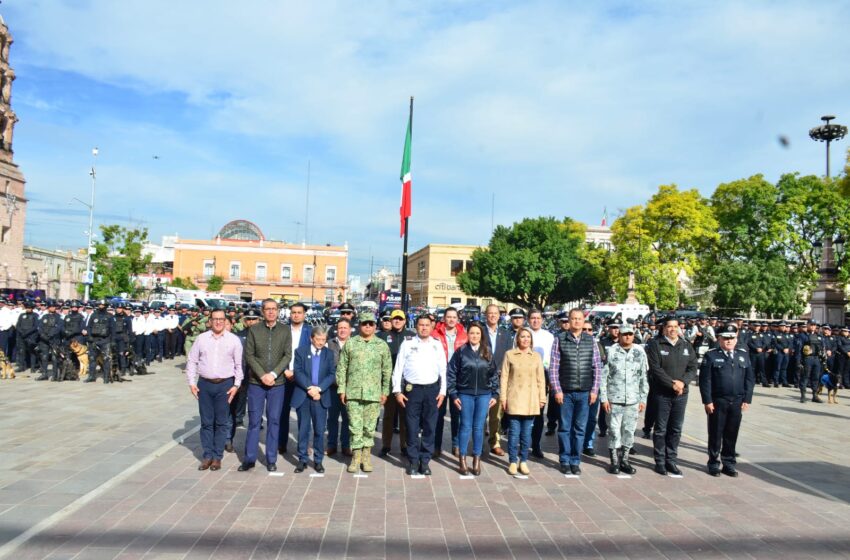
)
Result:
{"points": [[405, 209]]}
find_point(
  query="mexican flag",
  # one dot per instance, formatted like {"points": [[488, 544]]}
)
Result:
{"points": [[404, 211]]}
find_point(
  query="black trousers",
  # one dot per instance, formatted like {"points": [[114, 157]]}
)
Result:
{"points": [[649, 414], [420, 414], [122, 346], [723, 425], [100, 347], [170, 343], [758, 361], [26, 353], [48, 354], [670, 416]]}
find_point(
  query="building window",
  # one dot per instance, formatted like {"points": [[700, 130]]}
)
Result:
{"points": [[308, 273], [209, 268], [330, 275], [471, 301], [286, 272], [455, 300], [261, 272], [468, 266], [421, 270], [235, 270], [457, 267]]}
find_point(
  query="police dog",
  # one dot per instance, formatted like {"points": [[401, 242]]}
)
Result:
{"points": [[7, 370], [82, 354]]}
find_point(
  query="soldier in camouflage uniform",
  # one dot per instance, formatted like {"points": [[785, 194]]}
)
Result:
{"points": [[623, 391], [192, 327], [363, 375]]}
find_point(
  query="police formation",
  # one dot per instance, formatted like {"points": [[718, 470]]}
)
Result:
{"points": [[504, 379]]}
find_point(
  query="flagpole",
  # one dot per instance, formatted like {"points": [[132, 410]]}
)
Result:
{"points": [[404, 253]]}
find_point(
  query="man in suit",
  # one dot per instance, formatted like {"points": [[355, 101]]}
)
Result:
{"points": [[300, 339], [500, 341], [314, 375]]}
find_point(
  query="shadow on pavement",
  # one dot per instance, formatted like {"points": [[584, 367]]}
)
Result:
{"points": [[811, 411], [829, 478], [192, 443]]}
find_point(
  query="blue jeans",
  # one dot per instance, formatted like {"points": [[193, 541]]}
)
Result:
{"points": [[590, 427], [215, 416], [519, 436], [473, 417], [573, 423], [334, 412]]}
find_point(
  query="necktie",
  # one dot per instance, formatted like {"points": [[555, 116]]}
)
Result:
{"points": [[315, 365]]}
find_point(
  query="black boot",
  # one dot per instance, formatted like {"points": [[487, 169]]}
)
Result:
{"points": [[802, 395], [42, 377], [90, 379], [625, 466], [815, 397], [615, 462]]}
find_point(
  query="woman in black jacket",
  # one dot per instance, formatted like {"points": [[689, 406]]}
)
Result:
{"points": [[473, 387]]}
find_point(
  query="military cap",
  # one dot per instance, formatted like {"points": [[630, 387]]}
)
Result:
{"points": [[346, 308], [251, 314], [626, 329], [827, 328], [728, 331], [386, 314], [563, 316], [366, 317], [517, 312]]}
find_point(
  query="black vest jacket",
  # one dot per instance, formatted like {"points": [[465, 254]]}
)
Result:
{"points": [[575, 372]]}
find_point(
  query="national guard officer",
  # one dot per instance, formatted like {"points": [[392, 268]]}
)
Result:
{"points": [[363, 378], [346, 311], [808, 351], [27, 337], [49, 337], [623, 391], [101, 329], [726, 382], [122, 335]]}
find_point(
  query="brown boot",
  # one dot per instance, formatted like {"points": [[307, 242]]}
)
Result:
{"points": [[476, 465], [463, 469]]}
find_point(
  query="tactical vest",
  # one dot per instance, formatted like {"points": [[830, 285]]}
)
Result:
{"points": [[73, 324], [575, 371], [27, 322], [48, 321], [100, 325], [119, 325]]}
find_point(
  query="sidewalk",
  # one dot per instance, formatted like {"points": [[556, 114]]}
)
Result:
{"points": [[791, 500]]}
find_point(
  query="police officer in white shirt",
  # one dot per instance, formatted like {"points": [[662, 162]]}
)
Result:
{"points": [[419, 386]]}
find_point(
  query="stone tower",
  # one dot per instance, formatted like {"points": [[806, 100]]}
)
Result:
{"points": [[13, 209]]}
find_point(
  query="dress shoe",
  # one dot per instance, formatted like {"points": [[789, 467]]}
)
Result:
{"points": [[632, 451], [589, 452], [674, 470], [301, 467], [463, 468], [425, 469], [786, 384], [537, 453], [281, 450], [436, 454], [647, 434], [661, 470], [228, 447], [523, 468], [603, 433], [319, 468], [411, 469], [816, 399], [216, 465], [330, 451], [385, 451], [714, 471], [550, 432], [575, 469], [775, 385], [498, 452], [205, 464], [564, 468], [729, 471], [271, 467], [245, 467]]}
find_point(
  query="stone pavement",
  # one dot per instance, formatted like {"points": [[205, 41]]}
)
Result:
{"points": [[102, 469]]}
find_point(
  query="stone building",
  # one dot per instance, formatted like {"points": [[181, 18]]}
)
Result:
{"points": [[58, 273], [13, 212]]}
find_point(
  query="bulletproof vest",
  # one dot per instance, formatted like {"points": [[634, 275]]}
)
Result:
{"points": [[575, 371], [27, 322], [119, 324], [100, 324], [48, 321], [73, 324]]}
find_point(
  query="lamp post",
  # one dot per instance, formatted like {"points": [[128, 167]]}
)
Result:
{"points": [[89, 276], [827, 300]]}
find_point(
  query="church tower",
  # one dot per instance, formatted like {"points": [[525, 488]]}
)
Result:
{"points": [[13, 209]]}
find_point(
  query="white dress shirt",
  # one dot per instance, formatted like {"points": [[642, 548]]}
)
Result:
{"points": [[542, 342], [421, 362]]}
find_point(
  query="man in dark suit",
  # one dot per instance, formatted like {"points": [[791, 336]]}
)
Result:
{"points": [[499, 341], [314, 374], [300, 339]]}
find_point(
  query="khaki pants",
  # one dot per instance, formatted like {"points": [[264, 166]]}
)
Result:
{"points": [[391, 410], [494, 424]]}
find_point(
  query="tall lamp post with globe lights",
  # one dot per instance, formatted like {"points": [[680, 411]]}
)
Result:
{"points": [[828, 300]]}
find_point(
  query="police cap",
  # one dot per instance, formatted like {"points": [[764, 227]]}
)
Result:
{"points": [[386, 314], [517, 312], [346, 308], [252, 313], [727, 331]]}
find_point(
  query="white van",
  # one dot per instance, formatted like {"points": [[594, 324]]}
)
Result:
{"points": [[619, 312]]}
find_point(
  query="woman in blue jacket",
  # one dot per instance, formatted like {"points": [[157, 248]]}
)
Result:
{"points": [[473, 387]]}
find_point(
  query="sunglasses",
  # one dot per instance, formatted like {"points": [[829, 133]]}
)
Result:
{"points": [[398, 318], [587, 330], [367, 323]]}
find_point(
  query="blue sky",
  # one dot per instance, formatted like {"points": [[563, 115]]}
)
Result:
{"points": [[556, 108]]}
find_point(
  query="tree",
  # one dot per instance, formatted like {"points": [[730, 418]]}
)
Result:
{"points": [[118, 260], [184, 283], [215, 283], [533, 263]]}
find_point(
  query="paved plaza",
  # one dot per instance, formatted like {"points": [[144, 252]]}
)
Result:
{"points": [[94, 471]]}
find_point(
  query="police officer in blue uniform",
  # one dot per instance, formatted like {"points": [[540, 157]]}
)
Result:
{"points": [[757, 347], [726, 382], [807, 351], [27, 337], [122, 337], [49, 336], [782, 343], [101, 328]]}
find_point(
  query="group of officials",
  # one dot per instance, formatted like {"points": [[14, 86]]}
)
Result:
{"points": [[487, 378]]}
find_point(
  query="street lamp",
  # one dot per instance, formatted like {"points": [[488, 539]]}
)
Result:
{"points": [[828, 301], [89, 276]]}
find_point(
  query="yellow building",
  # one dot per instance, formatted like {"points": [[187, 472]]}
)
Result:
{"points": [[432, 276], [255, 268]]}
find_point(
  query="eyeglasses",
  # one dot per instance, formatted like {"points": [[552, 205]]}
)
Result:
{"points": [[587, 330]]}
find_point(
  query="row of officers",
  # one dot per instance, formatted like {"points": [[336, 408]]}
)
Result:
{"points": [[483, 375]]}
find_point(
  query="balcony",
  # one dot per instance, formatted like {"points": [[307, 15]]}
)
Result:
{"points": [[272, 280]]}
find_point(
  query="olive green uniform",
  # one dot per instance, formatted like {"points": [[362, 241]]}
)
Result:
{"points": [[363, 376]]}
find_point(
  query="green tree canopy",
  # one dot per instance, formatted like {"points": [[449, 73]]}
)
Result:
{"points": [[118, 260], [184, 283], [533, 263], [215, 283]]}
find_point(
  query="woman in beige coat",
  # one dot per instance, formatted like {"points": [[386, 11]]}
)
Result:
{"points": [[522, 395]]}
